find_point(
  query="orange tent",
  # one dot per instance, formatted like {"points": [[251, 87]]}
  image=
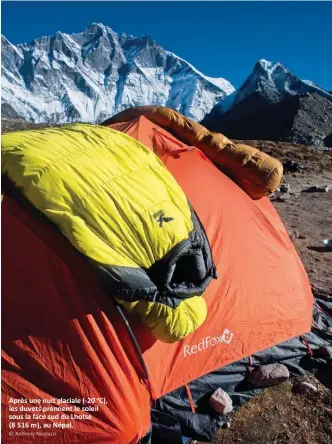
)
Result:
{"points": [[262, 295]]}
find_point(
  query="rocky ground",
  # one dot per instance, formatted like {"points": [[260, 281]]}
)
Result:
{"points": [[307, 216], [279, 416], [303, 118]]}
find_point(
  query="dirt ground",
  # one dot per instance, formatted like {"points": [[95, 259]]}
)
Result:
{"points": [[310, 214], [278, 416]]}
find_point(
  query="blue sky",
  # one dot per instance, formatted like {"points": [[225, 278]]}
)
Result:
{"points": [[222, 39]]}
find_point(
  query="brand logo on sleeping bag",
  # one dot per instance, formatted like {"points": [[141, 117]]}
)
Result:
{"points": [[225, 338], [160, 217]]}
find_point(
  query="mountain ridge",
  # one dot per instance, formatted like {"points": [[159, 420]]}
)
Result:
{"points": [[94, 74], [274, 104], [269, 83]]}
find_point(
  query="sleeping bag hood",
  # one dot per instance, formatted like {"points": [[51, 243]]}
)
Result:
{"points": [[118, 205]]}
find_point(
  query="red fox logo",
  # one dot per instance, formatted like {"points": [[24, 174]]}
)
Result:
{"points": [[226, 337]]}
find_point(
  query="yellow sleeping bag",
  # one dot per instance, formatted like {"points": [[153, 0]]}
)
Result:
{"points": [[118, 205]]}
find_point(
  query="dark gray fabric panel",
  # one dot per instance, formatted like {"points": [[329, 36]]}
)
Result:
{"points": [[198, 235], [127, 283]]}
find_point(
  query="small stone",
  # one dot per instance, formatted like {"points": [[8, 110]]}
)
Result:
{"points": [[293, 235], [304, 388], [284, 187], [226, 425], [292, 166], [268, 375], [283, 197], [302, 236], [318, 189], [221, 402]]}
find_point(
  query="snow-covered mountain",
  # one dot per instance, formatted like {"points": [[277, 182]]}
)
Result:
{"points": [[269, 83], [97, 73]]}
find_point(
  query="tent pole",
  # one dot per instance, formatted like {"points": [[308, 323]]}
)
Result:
{"points": [[133, 338]]}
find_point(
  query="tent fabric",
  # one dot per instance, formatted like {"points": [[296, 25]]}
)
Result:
{"points": [[257, 173], [257, 266], [63, 338], [117, 204]]}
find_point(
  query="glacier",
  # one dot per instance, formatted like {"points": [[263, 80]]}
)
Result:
{"points": [[97, 73]]}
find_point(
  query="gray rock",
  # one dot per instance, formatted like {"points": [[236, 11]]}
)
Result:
{"points": [[292, 166], [297, 235], [268, 375], [302, 236], [284, 197], [318, 189], [221, 402], [304, 388], [293, 235], [284, 187]]}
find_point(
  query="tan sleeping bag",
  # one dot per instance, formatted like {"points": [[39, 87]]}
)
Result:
{"points": [[257, 173]]}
